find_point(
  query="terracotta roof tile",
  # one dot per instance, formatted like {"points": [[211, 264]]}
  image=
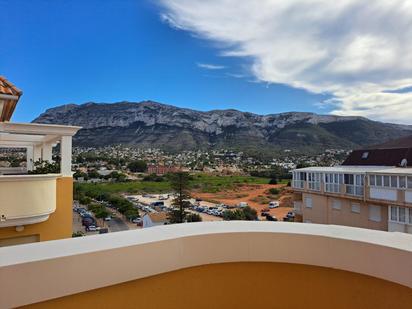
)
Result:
{"points": [[8, 88]]}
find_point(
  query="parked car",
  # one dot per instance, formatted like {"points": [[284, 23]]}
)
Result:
{"points": [[109, 218], [243, 204], [273, 204], [92, 228], [290, 214], [271, 218], [137, 220], [265, 214]]}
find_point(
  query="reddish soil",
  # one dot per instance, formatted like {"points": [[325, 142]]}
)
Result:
{"points": [[249, 194]]}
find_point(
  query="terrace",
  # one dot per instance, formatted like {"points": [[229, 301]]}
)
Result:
{"points": [[393, 184], [153, 266], [27, 198]]}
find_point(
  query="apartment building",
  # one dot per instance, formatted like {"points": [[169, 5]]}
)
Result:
{"points": [[371, 189], [34, 207]]}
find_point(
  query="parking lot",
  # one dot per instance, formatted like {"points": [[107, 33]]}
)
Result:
{"points": [[161, 202]]}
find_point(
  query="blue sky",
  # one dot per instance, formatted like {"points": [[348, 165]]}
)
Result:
{"points": [[76, 51]]}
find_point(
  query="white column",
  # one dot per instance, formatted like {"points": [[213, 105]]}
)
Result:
{"points": [[66, 155], [36, 153], [47, 152], [29, 158]]}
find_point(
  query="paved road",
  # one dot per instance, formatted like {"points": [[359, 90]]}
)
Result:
{"points": [[117, 225]]}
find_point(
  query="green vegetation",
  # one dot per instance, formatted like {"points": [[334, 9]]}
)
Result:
{"points": [[138, 166], [161, 184], [45, 167], [180, 185], [247, 213], [274, 191]]}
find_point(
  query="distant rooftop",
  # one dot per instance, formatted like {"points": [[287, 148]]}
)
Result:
{"points": [[357, 169], [381, 157]]}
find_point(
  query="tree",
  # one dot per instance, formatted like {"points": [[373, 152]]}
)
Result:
{"points": [[246, 213], [192, 217], [138, 166], [180, 185]]}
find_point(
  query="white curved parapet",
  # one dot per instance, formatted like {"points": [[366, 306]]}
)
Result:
{"points": [[27, 199], [42, 271]]}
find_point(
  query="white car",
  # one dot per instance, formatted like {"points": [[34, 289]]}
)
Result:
{"points": [[273, 204], [109, 218], [243, 204], [93, 228]]}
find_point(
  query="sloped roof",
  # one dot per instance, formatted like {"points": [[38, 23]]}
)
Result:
{"points": [[380, 157], [9, 95], [7, 87]]}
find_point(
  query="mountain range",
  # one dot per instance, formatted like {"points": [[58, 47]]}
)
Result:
{"points": [[156, 125]]}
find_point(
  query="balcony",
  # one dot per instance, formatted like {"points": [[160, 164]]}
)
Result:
{"points": [[229, 258], [26, 199], [30, 198], [354, 190], [298, 184]]}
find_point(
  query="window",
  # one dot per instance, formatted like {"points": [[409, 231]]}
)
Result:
{"points": [[402, 214], [378, 180], [332, 182], [365, 155], [409, 182], [336, 204], [402, 182], [308, 202], [372, 180], [386, 181], [394, 181], [394, 213], [375, 213], [355, 208]]}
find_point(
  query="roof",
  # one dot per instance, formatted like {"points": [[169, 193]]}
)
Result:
{"points": [[29, 134], [380, 157], [359, 169], [8, 88], [9, 95]]}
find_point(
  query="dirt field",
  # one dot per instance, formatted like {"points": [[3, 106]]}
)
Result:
{"points": [[253, 195]]}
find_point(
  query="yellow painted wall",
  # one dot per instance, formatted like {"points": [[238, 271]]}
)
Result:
{"points": [[244, 285], [322, 212], [59, 224]]}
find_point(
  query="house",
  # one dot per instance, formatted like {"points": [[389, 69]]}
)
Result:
{"points": [[371, 189], [34, 207]]}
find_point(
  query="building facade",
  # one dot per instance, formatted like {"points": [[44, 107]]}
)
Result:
{"points": [[34, 206], [357, 193]]}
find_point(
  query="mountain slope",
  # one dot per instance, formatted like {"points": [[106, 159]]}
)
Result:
{"points": [[151, 124]]}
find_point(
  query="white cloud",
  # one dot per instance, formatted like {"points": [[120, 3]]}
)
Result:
{"points": [[209, 66], [353, 49]]}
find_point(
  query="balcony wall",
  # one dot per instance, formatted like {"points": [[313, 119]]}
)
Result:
{"points": [[46, 199], [26, 199], [213, 265]]}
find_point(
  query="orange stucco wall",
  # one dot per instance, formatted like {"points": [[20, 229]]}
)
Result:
{"points": [[59, 224], [244, 285], [322, 212]]}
